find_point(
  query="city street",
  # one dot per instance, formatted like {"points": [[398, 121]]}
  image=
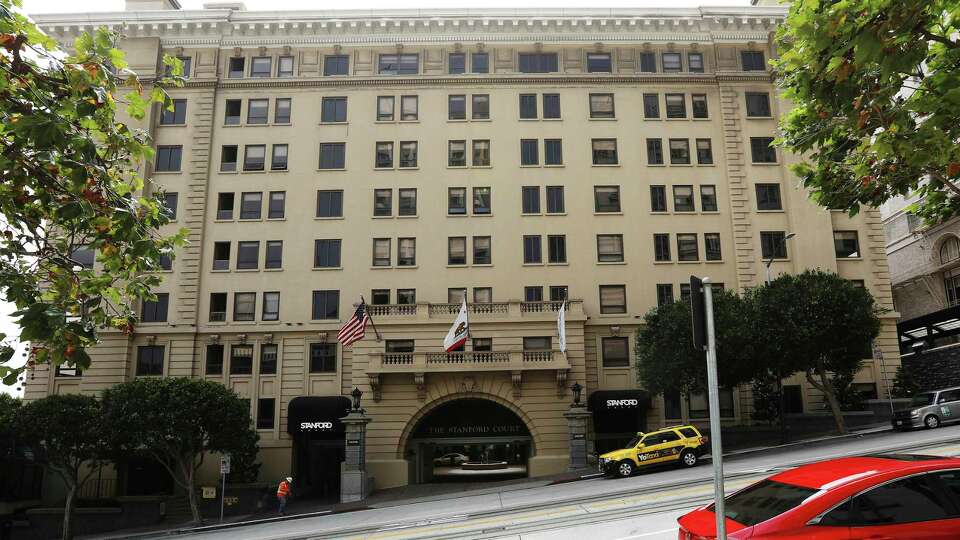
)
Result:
{"points": [[644, 506]]}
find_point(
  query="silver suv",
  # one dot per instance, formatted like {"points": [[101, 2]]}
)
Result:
{"points": [[929, 409]]}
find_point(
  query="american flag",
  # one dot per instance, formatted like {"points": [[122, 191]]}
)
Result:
{"points": [[354, 329]]}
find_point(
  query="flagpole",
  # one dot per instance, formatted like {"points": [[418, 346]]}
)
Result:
{"points": [[467, 313], [366, 311]]}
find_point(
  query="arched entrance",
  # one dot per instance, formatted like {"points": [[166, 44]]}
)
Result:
{"points": [[468, 439]]}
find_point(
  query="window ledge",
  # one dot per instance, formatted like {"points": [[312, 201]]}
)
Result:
{"points": [[558, 264], [537, 166], [279, 170], [172, 125], [377, 267], [553, 119], [247, 220], [488, 214], [593, 119], [280, 124], [483, 265], [698, 119], [706, 164], [681, 164], [253, 172], [605, 165], [325, 268], [381, 217], [457, 215], [276, 219], [246, 270], [662, 262], [384, 121], [533, 264], [652, 119], [167, 172], [384, 168], [481, 120], [328, 218], [608, 213], [780, 211], [457, 266], [417, 168], [613, 315], [748, 117], [765, 163], [556, 213], [457, 166], [481, 166], [273, 269], [219, 271], [406, 266], [414, 216], [849, 258], [228, 172], [690, 262], [765, 259], [684, 119], [269, 322], [408, 121], [656, 164], [660, 212], [721, 261], [322, 123], [531, 214], [710, 212], [528, 119], [611, 263], [555, 166]]}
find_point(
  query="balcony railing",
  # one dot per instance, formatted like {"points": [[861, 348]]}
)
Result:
{"points": [[427, 362], [481, 310], [478, 357], [392, 310]]}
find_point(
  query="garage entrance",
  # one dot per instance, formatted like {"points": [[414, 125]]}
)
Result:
{"points": [[469, 439]]}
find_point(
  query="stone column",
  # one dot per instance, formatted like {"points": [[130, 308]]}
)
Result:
{"points": [[353, 474], [577, 424]]}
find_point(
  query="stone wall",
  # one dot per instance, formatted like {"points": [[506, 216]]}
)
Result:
{"points": [[937, 368]]}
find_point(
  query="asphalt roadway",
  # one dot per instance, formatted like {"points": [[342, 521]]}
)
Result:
{"points": [[643, 507]]}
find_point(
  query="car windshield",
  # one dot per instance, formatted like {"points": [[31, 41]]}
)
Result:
{"points": [[922, 400], [764, 500]]}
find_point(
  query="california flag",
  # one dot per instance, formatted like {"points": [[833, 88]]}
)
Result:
{"points": [[459, 331], [562, 326]]}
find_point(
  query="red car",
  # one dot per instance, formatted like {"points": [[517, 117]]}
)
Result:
{"points": [[883, 496]]}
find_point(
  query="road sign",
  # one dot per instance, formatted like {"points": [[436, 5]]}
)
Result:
{"points": [[225, 464]]}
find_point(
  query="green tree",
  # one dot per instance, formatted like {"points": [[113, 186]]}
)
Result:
{"points": [[70, 181], [905, 383], [876, 91], [818, 324], [64, 433], [177, 421], [9, 406]]}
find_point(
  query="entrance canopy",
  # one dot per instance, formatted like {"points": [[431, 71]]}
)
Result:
{"points": [[619, 411], [317, 415], [470, 417]]}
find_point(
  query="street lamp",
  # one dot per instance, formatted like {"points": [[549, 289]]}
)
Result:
{"points": [[773, 255], [783, 426], [356, 398], [576, 393]]}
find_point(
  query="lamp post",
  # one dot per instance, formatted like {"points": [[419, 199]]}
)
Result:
{"points": [[783, 427], [356, 399], [577, 389]]}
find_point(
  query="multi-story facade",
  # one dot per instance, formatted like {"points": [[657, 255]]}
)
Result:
{"points": [[411, 158]]}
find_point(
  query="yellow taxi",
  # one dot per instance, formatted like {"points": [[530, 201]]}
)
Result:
{"points": [[679, 444]]}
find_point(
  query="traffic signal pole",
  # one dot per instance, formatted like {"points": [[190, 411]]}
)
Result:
{"points": [[713, 395]]}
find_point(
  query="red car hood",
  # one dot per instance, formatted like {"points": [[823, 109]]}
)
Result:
{"points": [[701, 523]]}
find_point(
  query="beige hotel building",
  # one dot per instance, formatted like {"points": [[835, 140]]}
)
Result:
{"points": [[514, 157]]}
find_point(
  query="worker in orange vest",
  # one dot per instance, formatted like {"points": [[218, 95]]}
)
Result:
{"points": [[283, 492]]}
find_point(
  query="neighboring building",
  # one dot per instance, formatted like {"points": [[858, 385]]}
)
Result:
{"points": [[515, 157]]}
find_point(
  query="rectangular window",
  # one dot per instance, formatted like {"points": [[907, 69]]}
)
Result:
{"points": [[218, 306], [244, 306], [773, 244], [166, 262], [606, 198], [338, 64], [457, 107], [241, 359], [683, 199], [704, 152], [685, 293], [654, 152], [758, 104], [332, 155], [658, 198], [385, 108], [708, 198], [155, 310], [271, 306], [407, 202], [326, 254], [481, 200], [482, 250], [672, 62], [281, 114], [616, 352], [323, 358], [482, 344], [187, 64], [325, 305], [266, 408], [406, 297], [333, 109], [604, 151], [599, 63], [254, 157], [456, 295], [380, 297], [539, 343], [398, 64], [84, 256], [648, 62], [231, 115], [711, 246], [555, 201], [285, 66], [258, 111], [528, 106], [278, 159], [251, 203], [532, 253], [551, 106], [664, 294], [481, 153], [753, 61], [168, 158], [150, 360], [406, 252], [228, 158], [169, 205], [533, 294], [651, 106], [530, 196], [456, 63], [679, 151], [214, 360], [529, 154], [329, 203], [276, 207], [762, 150], [661, 247], [695, 62], [381, 252], [399, 346], [408, 154], [552, 152], [457, 201], [676, 105], [557, 249], [409, 108], [457, 250], [480, 108], [248, 255], [221, 255], [260, 66], [383, 157], [480, 62], [602, 106], [274, 254], [538, 62], [610, 248], [699, 104], [175, 116], [236, 69], [768, 197], [558, 293], [268, 358], [613, 299], [846, 244], [687, 249], [457, 153]]}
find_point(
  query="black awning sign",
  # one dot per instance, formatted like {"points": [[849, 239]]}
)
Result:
{"points": [[622, 403], [316, 426]]}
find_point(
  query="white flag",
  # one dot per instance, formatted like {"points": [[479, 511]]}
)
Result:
{"points": [[459, 331], [562, 326]]}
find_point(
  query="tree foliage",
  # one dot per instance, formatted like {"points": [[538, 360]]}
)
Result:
{"points": [[177, 421], [876, 87], [9, 406], [70, 180]]}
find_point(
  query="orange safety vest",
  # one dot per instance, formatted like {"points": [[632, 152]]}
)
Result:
{"points": [[283, 490]]}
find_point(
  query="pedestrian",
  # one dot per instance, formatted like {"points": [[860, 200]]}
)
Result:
{"points": [[283, 493]]}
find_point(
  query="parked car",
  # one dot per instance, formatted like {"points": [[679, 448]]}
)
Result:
{"points": [[450, 459], [929, 409], [882, 496], [674, 444]]}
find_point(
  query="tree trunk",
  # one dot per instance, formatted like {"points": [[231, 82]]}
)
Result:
{"points": [[189, 475], [67, 533], [825, 386]]}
